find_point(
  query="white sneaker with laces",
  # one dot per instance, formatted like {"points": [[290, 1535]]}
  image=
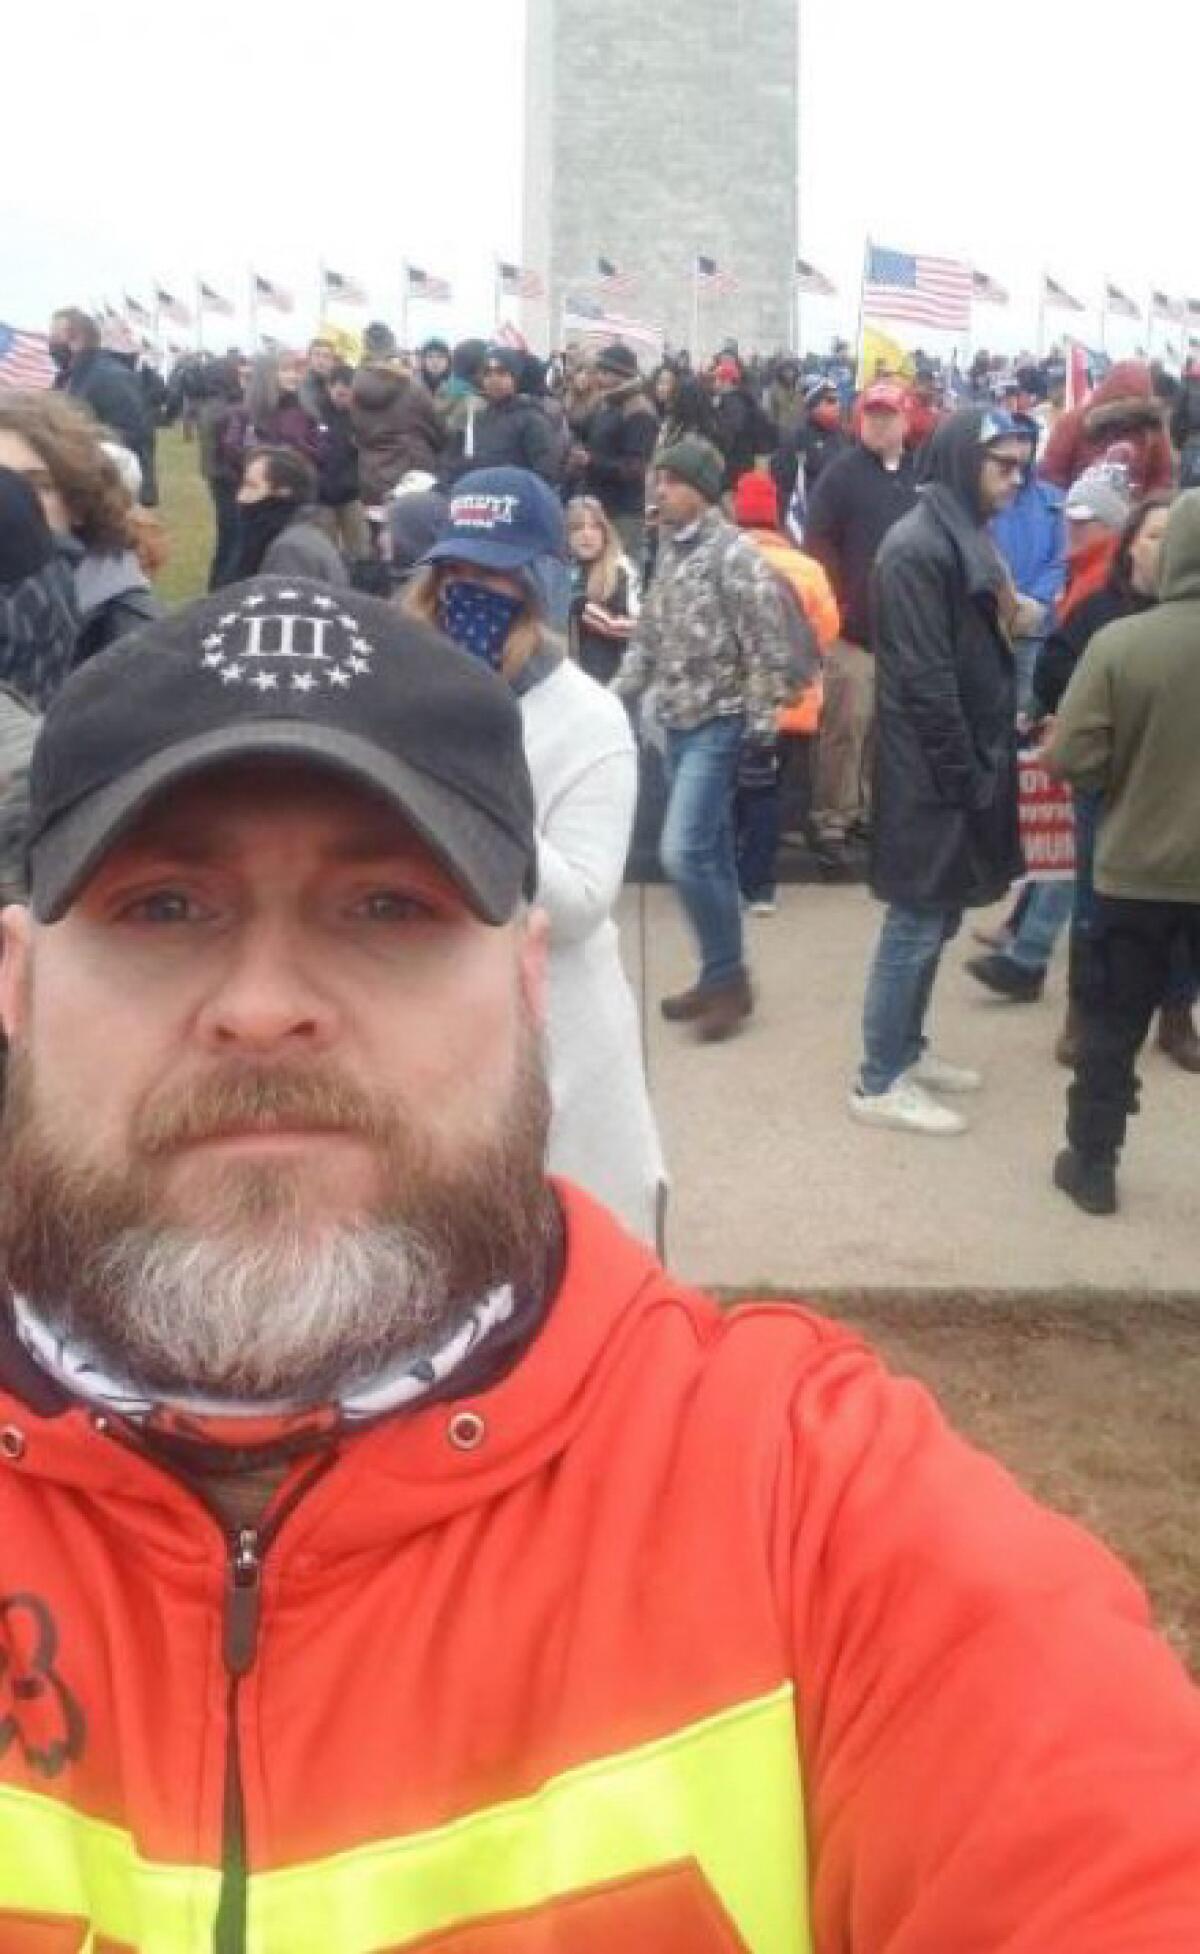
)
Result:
{"points": [[938, 1075], [907, 1107]]}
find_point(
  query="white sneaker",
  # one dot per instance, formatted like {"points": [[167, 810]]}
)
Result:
{"points": [[938, 1075], [767, 907], [908, 1107]]}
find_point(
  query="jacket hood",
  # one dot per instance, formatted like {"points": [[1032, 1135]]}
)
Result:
{"points": [[1179, 576], [102, 575], [954, 456], [377, 387], [1124, 398]]}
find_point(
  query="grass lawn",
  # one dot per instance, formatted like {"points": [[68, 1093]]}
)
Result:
{"points": [[187, 512]]}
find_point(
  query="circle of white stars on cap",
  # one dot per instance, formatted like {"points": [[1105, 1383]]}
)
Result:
{"points": [[288, 643]]}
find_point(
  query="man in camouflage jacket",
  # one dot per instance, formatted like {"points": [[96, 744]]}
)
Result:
{"points": [[713, 644]]}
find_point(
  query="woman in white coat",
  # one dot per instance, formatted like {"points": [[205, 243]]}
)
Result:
{"points": [[495, 583]]}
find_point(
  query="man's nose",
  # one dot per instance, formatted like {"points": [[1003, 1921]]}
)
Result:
{"points": [[269, 994]]}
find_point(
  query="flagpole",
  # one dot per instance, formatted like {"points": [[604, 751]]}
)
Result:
{"points": [[696, 312], [862, 304], [1104, 318], [1042, 318], [1150, 327], [199, 315], [404, 305], [253, 312], [320, 292]]}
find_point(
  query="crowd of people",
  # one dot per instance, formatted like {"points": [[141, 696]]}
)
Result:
{"points": [[862, 605], [392, 1552]]}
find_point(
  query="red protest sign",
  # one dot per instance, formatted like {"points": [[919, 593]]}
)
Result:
{"points": [[1047, 816]]}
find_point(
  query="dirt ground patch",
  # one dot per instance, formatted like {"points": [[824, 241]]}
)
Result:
{"points": [[1093, 1403]]}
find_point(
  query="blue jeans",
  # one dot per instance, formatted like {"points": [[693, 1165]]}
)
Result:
{"points": [[899, 988], [697, 845], [1043, 917]]}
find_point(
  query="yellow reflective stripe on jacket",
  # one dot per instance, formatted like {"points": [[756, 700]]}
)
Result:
{"points": [[56, 1861], [724, 1792]]}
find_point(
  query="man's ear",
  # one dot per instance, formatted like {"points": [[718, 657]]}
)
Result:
{"points": [[535, 955], [16, 937]]}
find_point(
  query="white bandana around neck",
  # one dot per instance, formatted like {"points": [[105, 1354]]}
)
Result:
{"points": [[73, 1365]]}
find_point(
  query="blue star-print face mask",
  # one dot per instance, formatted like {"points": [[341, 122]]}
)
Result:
{"points": [[478, 620]]}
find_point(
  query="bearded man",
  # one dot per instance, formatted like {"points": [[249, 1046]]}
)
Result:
{"points": [[391, 1555]]}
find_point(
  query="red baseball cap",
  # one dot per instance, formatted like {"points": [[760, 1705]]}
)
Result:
{"points": [[886, 395]]}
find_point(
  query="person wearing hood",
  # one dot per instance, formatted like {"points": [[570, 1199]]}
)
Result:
{"points": [[433, 367], [945, 836], [55, 444], [511, 430], [395, 425], [1126, 729], [618, 444], [491, 584], [279, 527], [1122, 409]]}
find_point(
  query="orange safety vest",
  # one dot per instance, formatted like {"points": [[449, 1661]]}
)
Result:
{"points": [[695, 1633]]}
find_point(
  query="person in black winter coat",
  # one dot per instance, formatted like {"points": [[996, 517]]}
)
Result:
{"points": [[511, 430], [618, 444], [743, 429], [39, 615], [107, 386], [806, 451], [945, 834]]}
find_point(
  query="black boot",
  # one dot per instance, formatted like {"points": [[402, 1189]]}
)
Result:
{"points": [[1090, 1183]]}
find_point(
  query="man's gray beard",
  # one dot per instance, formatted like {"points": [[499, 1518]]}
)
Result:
{"points": [[261, 1302]]}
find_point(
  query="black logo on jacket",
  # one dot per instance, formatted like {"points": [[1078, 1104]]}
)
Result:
{"points": [[37, 1710]]}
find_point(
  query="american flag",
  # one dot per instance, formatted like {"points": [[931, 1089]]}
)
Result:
{"points": [[212, 301], [1115, 300], [1057, 295], [987, 291], [1162, 306], [711, 278], [266, 292], [24, 359], [347, 291], [614, 283], [517, 283], [423, 285], [809, 279], [933, 291], [171, 308]]}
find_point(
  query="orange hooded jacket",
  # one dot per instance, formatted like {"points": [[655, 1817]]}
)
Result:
{"points": [[695, 1633]]}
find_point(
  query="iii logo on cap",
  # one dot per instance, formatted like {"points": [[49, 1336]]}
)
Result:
{"points": [[273, 649]]}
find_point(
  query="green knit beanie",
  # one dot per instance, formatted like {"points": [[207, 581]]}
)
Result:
{"points": [[696, 462]]}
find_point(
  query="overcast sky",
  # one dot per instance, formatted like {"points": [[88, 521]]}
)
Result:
{"points": [[175, 139]]}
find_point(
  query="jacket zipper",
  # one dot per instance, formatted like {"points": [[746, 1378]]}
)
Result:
{"points": [[239, 1641], [243, 1601]]}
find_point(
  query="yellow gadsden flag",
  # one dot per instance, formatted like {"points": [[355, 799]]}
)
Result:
{"points": [[346, 342], [880, 357]]}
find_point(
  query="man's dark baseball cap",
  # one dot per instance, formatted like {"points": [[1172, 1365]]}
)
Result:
{"points": [[286, 668]]}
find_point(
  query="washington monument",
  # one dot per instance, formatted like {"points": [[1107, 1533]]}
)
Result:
{"points": [[658, 131]]}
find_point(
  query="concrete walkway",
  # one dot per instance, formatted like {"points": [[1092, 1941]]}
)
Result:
{"points": [[773, 1183]]}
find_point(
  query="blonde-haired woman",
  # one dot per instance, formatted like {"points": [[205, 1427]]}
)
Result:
{"points": [[605, 593], [490, 583]]}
